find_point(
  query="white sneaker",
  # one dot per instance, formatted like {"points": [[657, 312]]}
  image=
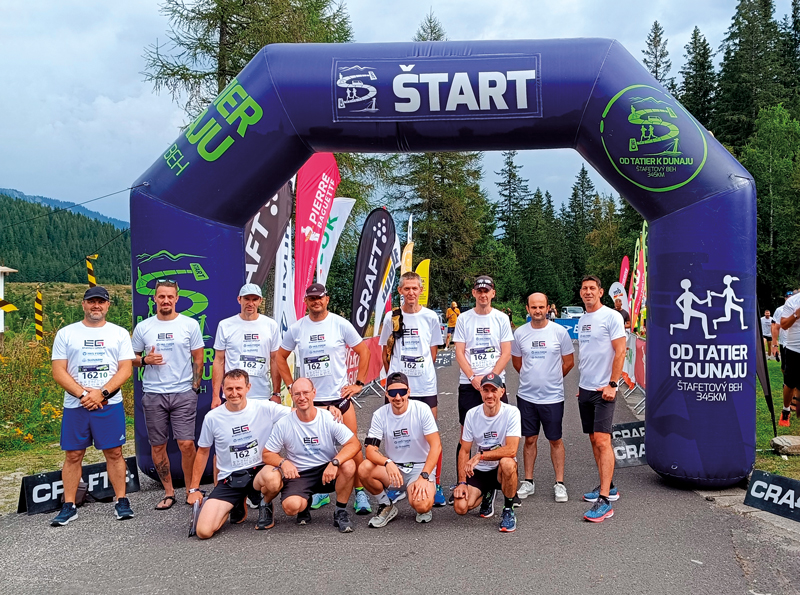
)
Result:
{"points": [[424, 517], [526, 488], [560, 491]]}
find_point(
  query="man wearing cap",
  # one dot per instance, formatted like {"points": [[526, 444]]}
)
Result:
{"points": [[412, 447], [791, 356], [321, 339], [248, 341], [91, 361], [170, 348], [494, 427], [452, 316], [483, 339]]}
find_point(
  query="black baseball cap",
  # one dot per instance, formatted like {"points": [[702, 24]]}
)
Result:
{"points": [[484, 282], [98, 291], [316, 290], [396, 378], [492, 379]]}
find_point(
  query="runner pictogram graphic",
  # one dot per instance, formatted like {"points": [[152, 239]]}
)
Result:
{"points": [[357, 90], [684, 302], [649, 118], [730, 297]]}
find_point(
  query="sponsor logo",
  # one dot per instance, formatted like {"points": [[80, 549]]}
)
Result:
{"points": [[586, 328], [414, 332], [400, 433], [251, 337], [488, 435], [240, 429], [376, 253], [310, 440], [89, 343], [165, 336], [538, 344], [315, 338], [483, 331]]}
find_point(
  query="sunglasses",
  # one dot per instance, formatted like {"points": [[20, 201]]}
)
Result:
{"points": [[397, 392], [167, 283]]}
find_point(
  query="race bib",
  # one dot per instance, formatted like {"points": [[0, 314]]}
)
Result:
{"points": [[481, 358], [94, 376], [245, 455], [316, 367], [254, 365], [413, 365]]}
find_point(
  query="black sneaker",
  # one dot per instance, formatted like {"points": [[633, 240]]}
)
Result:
{"points": [[122, 509], [266, 516], [342, 520], [304, 516], [516, 502], [238, 512], [68, 513], [487, 504]]}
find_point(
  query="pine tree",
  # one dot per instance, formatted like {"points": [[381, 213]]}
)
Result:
{"points": [[430, 29], [790, 58], [605, 254], [656, 57], [576, 221], [514, 195], [698, 87]]}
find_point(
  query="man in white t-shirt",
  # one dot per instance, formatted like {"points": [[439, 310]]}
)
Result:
{"points": [[778, 334], [311, 438], [412, 447], [91, 361], [542, 353], [483, 346], [410, 336], [791, 356], [601, 338], [321, 339], [766, 331], [248, 341], [170, 347], [238, 432], [495, 429]]}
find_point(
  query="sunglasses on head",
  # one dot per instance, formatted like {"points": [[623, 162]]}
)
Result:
{"points": [[397, 392]]}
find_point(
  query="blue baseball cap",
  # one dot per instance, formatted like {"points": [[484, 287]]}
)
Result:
{"points": [[98, 291]]}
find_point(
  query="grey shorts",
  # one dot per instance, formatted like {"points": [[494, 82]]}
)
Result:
{"points": [[162, 410]]}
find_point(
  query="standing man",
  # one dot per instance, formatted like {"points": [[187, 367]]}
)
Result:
{"points": [[766, 331], [238, 432], [778, 334], [91, 361], [483, 346], [542, 353], [791, 356], [601, 337], [321, 339], [410, 338], [248, 341], [170, 345], [495, 428], [452, 315], [626, 318], [412, 447], [314, 464]]}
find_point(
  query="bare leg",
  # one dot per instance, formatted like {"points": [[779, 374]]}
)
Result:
{"points": [[344, 481], [212, 517], [161, 463], [117, 470], [188, 452], [529, 453], [373, 478], [557, 456], [349, 418], [604, 456], [507, 475], [71, 473]]}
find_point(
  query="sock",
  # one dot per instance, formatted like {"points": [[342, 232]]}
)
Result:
{"points": [[359, 489], [383, 498], [612, 484], [560, 483], [529, 480], [439, 470], [341, 505], [787, 408], [509, 502], [603, 499]]}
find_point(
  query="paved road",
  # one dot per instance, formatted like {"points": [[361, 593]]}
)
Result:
{"points": [[661, 540]]}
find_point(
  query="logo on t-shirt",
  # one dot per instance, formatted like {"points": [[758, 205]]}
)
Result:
{"points": [[240, 429], [488, 435], [165, 336], [251, 337], [310, 440], [411, 331], [483, 331], [93, 342], [535, 344], [314, 338], [400, 433], [586, 328]]}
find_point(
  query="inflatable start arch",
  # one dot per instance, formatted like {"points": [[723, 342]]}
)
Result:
{"points": [[589, 94]]}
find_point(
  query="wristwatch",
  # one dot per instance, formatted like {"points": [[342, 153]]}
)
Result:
{"points": [[83, 394], [612, 384], [424, 475], [387, 461], [192, 490], [359, 383], [335, 462], [106, 394]]}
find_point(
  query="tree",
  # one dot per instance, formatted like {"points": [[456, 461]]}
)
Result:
{"points": [[656, 57], [430, 29], [699, 80], [790, 58], [606, 253], [577, 224], [211, 41], [514, 195]]}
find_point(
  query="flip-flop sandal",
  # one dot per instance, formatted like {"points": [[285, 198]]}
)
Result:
{"points": [[163, 500]]}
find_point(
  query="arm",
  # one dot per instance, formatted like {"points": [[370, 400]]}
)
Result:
{"points": [[610, 392], [283, 366], [275, 376], [95, 399], [568, 362], [434, 352], [788, 321], [64, 380], [419, 489], [363, 368], [200, 460], [516, 361], [148, 359], [197, 368], [386, 356], [504, 452], [350, 449], [378, 459], [775, 329], [461, 358], [505, 356], [463, 459], [217, 372]]}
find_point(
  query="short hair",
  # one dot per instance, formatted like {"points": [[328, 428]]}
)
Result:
{"points": [[167, 283], [235, 374], [592, 278], [410, 275], [528, 299]]}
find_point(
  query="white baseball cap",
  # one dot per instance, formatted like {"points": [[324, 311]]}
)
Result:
{"points": [[250, 289]]}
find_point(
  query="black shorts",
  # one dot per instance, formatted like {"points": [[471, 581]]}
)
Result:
{"points": [[597, 414], [781, 351], [469, 398], [484, 480], [547, 415], [429, 401], [308, 484], [223, 491], [342, 404], [791, 372]]}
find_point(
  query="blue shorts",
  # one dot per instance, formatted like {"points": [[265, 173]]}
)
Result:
{"points": [[548, 416], [106, 427], [451, 330]]}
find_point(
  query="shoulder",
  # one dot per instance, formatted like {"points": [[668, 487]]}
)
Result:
{"points": [[187, 321], [145, 325]]}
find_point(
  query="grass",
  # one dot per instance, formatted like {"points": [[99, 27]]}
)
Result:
{"points": [[766, 459]]}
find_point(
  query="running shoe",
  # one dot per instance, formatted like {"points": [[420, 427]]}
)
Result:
{"points": [[526, 488], [438, 498], [266, 515], [600, 511], [424, 517], [252, 503], [613, 494], [304, 516], [361, 504], [516, 502], [123, 510], [238, 512], [320, 500], [487, 504], [342, 520], [386, 512], [396, 495], [508, 521], [785, 415], [69, 512], [560, 491]]}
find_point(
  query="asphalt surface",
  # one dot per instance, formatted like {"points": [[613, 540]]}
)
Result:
{"points": [[660, 540]]}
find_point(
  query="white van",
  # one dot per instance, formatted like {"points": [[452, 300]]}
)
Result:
{"points": [[571, 311]]}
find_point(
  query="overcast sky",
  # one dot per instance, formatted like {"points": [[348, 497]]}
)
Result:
{"points": [[79, 122]]}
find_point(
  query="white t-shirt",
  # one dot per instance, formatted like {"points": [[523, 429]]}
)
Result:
{"points": [[174, 340], [541, 350], [309, 444], [323, 353], [238, 437], [482, 335], [412, 354], [403, 436], [92, 355], [490, 433], [792, 333], [596, 330], [777, 319], [766, 326], [248, 345]]}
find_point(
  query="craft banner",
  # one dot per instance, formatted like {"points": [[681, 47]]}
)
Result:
{"points": [[384, 302], [617, 291], [374, 253], [340, 211], [639, 363], [629, 365], [624, 270], [316, 186], [283, 300], [263, 234], [424, 271]]}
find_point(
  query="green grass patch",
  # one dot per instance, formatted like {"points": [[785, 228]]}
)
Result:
{"points": [[766, 459]]}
